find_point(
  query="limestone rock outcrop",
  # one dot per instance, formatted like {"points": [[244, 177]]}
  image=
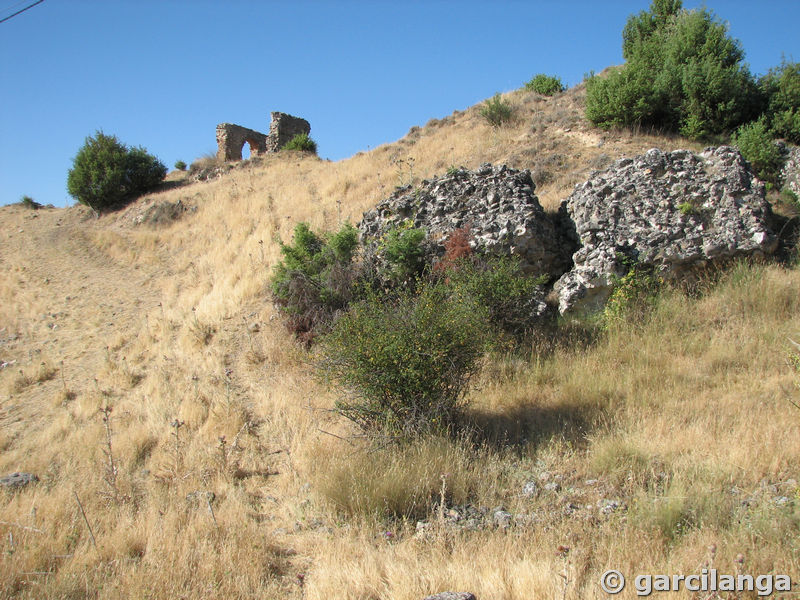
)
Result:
{"points": [[673, 211], [497, 203], [791, 171]]}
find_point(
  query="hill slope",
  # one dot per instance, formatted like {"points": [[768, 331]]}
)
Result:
{"points": [[230, 476]]}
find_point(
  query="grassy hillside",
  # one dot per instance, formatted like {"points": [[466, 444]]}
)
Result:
{"points": [[657, 445]]}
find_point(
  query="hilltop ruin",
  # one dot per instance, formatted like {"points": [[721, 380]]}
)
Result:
{"points": [[282, 128]]}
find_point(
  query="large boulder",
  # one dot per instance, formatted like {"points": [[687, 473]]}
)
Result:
{"points": [[497, 203], [672, 211]]}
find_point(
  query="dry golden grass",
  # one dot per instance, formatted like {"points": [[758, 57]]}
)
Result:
{"points": [[669, 415]]}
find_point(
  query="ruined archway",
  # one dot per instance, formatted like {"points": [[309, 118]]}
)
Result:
{"points": [[282, 128], [232, 138]]}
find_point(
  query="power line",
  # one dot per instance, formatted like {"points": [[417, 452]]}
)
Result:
{"points": [[21, 11], [13, 6]]}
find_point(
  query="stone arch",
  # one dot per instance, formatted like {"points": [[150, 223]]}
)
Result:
{"points": [[232, 138], [282, 128]]}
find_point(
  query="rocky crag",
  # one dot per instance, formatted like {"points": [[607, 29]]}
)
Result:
{"points": [[496, 203], [674, 212], [790, 175]]}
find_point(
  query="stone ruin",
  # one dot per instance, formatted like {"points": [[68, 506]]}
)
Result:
{"points": [[282, 128], [675, 212]]}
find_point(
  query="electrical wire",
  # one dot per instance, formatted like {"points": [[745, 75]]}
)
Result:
{"points": [[21, 11]]}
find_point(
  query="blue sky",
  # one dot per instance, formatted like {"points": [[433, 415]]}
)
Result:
{"points": [[162, 74]]}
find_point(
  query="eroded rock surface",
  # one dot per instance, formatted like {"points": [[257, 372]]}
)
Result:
{"points": [[17, 480], [497, 203], [673, 211], [791, 171]]}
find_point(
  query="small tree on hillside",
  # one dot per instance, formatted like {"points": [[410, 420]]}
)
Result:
{"points": [[683, 73], [106, 172], [781, 86]]}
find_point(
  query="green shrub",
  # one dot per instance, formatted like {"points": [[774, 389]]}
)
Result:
{"points": [[106, 172], [633, 296], [789, 197], [403, 251], [314, 280], [498, 284], [756, 144], [545, 85], [180, 165], [403, 365], [497, 111], [29, 202], [683, 73], [301, 142], [781, 86]]}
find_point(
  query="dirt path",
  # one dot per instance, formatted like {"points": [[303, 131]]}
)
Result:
{"points": [[64, 300]]}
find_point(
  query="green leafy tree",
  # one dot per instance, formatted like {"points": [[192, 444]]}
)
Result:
{"points": [[640, 28], [107, 173], [781, 86], [756, 144], [683, 73]]}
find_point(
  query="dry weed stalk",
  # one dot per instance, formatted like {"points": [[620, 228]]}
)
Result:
{"points": [[86, 520], [563, 553], [442, 498], [176, 425], [223, 453], [110, 476], [67, 394]]}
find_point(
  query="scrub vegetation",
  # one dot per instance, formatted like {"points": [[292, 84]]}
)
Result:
{"points": [[186, 445]]}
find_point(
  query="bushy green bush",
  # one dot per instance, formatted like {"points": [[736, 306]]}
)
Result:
{"points": [[400, 340], [683, 73], [403, 364], [403, 252], [314, 280], [497, 283], [756, 144], [497, 111], [633, 296], [781, 86], [29, 202], [180, 165], [545, 84], [301, 142], [106, 172]]}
